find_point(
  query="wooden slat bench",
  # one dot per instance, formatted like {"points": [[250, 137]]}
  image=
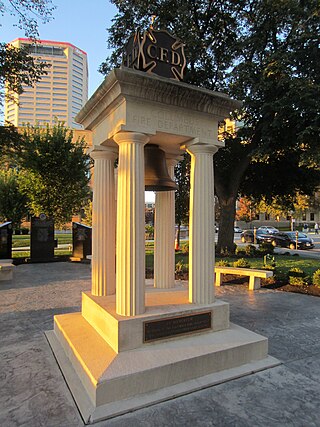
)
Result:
{"points": [[254, 275], [6, 271]]}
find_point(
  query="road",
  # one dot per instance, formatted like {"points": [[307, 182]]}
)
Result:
{"points": [[309, 253]]}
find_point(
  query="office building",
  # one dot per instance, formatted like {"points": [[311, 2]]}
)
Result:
{"points": [[60, 94]]}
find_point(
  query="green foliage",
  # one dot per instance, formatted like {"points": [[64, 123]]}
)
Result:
{"points": [[185, 248], [251, 251], [264, 53], [149, 229], [181, 268], [241, 263], [223, 263], [12, 201], [296, 272], [55, 172], [298, 281], [87, 213], [316, 278], [182, 179], [240, 251], [266, 248]]}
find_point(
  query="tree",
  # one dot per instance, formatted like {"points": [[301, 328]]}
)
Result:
{"points": [[182, 179], [13, 204], [17, 67], [263, 52], [54, 172]]}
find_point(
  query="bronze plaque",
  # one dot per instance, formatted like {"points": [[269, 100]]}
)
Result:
{"points": [[180, 325]]}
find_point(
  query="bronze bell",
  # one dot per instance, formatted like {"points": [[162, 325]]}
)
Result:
{"points": [[156, 176]]}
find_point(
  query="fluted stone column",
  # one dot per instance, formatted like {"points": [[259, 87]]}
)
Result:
{"points": [[130, 263], [201, 233], [103, 222], [164, 257]]}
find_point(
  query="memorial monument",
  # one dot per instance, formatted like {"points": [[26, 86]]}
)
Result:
{"points": [[6, 240], [130, 347], [81, 241], [42, 239]]}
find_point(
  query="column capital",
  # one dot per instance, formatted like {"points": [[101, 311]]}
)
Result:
{"points": [[131, 137], [101, 152], [199, 148]]}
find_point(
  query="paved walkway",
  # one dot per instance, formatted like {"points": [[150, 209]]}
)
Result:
{"points": [[33, 392]]}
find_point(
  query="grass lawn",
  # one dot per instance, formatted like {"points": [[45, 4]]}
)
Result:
{"points": [[283, 262], [23, 241]]}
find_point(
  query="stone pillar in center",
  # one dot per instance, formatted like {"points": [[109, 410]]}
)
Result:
{"points": [[201, 223], [164, 256], [130, 264]]}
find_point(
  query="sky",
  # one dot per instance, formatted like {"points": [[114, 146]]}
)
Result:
{"points": [[82, 23]]}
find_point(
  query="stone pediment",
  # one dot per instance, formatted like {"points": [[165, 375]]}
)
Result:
{"points": [[171, 112]]}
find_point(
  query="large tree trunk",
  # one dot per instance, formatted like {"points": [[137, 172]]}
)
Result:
{"points": [[226, 224]]}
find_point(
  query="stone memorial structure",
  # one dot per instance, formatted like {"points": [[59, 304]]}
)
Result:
{"points": [[42, 239], [6, 240], [130, 347], [81, 241]]}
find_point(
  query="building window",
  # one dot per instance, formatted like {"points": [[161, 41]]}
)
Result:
{"points": [[311, 216], [304, 217]]}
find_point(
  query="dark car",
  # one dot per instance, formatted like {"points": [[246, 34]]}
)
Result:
{"points": [[289, 239], [247, 236]]}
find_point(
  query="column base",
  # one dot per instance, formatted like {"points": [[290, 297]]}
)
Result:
{"points": [[106, 382]]}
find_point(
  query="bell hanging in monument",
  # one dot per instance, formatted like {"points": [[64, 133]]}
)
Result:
{"points": [[156, 176]]}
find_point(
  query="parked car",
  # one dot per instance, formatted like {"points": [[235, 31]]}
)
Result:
{"points": [[247, 236], [289, 239], [237, 229], [268, 229]]}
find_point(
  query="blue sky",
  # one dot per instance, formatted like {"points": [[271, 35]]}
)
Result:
{"points": [[80, 22]]}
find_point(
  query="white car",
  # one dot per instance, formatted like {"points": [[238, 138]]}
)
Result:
{"points": [[268, 229], [237, 229]]}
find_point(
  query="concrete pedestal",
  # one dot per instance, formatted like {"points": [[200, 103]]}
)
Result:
{"points": [[110, 370]]}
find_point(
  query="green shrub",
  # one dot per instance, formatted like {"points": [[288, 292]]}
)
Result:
{"points": [[185, 248], [296, 272], [251, 251], [241, 263], [298, 281], [226, 253], [240, 251], [149, 230], [316, 278], [266, 248], [223, 263], [181, 268], [25, 231], [269, 267]]}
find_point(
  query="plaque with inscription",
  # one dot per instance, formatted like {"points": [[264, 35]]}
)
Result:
{"points": [[173, 326]]}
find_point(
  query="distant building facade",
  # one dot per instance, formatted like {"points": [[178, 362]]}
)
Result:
{"points": [[60, 94]]}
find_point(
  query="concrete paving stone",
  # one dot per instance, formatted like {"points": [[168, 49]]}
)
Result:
{"points": [[33, 392]]}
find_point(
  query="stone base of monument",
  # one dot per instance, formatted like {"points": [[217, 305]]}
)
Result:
{"points": [[115, 364]]}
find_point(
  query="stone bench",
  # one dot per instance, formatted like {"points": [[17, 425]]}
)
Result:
{"points": [[6, 271], [254, 275]]}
